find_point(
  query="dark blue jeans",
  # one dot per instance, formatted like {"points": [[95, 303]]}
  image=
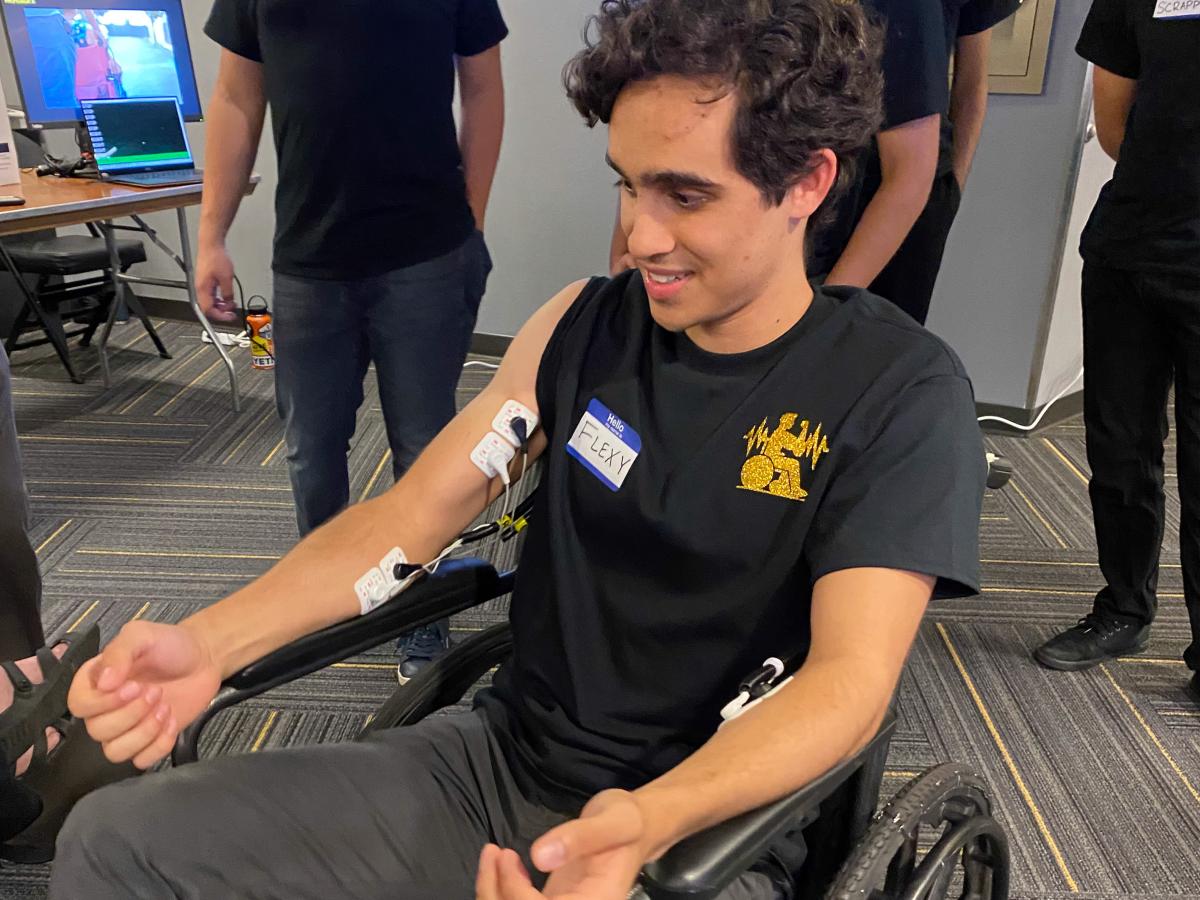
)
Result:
{"points": [[415, 324]]}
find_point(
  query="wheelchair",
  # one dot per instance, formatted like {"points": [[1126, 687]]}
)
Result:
{"points": [[935, 839]]}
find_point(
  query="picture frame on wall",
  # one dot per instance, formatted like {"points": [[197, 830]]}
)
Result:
{"points": [[1020, 46]]}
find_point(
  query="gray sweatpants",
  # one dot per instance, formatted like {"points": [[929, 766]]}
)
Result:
{"points": [[401, 816]]}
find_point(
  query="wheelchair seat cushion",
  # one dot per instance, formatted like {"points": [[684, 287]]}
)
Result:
{"points": [[71, 254]]}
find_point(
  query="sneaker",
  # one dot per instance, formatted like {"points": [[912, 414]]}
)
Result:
{"points": [[421, 647], [1093, 640]]}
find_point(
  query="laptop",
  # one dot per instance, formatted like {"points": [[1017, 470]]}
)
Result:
{"points": [[140, 141]]}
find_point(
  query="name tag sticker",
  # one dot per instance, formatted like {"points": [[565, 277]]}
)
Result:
{"points": [[605, 444], [1177, 9]]}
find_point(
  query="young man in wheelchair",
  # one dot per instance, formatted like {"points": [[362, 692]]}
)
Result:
{"points": [[736, 466]]}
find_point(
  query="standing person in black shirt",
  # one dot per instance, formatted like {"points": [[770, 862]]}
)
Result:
{"points": [[1141, 320], [379, 251], [736, 466], [892, 230]]}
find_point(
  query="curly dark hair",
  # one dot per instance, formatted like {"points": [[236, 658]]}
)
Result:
{"points": [[806, 75]]}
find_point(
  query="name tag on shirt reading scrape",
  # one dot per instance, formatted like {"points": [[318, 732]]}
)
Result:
{"points": [[605, 444], [1177, 9]]}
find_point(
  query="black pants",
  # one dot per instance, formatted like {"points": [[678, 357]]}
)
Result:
{"points": [[20, 581], [1140, 332], [908, 280], [402, 815]]}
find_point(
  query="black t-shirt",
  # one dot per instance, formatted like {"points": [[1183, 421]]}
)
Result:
{"points": [[1148, 216], [361, 91], [740, 480]]}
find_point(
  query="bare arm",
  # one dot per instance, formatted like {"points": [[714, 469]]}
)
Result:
{"points": [[908, 156], [482, 87], [864, 622], [154, 679], [863, 625], [1113, 96], [235, 122], [969, 99], [313, 586]]}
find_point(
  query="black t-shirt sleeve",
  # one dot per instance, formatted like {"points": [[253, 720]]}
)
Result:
{"points": [[233, 25], [912, 498], [978, 16], [916, 62], [480, 27], [1109, 40]]}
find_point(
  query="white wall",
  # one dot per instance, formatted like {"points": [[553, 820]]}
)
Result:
{"points": [[1001, 263], [552, 209], [1064, 344]]}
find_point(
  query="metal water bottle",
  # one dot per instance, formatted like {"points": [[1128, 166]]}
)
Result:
{"points": [[261, 333]]}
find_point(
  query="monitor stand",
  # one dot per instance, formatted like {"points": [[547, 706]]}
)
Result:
{"points": [[86, 167]]}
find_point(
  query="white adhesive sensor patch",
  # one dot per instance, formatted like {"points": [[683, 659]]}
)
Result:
{"points": [[489, 452], [514, 409]]}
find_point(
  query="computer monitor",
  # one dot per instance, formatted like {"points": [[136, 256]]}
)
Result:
{"points": [[109, 49], [143, 135]]}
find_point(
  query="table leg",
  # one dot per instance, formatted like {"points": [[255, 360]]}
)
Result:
{"points": [[56, 337], [114, 265], [189, 276]]}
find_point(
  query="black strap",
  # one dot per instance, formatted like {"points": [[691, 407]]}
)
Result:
{"points": [[20, 683]]}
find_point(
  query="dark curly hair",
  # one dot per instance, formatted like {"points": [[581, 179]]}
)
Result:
{"points": [[806, 75]]}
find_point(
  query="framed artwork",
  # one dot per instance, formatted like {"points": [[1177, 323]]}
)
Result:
{"points": [[1019, 49]]}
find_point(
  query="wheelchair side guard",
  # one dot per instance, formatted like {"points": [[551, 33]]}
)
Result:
{"points": [[445, 681], [702, 866], [952, 802], [456, 586]]}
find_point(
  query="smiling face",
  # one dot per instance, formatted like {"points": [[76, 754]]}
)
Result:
{"points": [[718, 259]]}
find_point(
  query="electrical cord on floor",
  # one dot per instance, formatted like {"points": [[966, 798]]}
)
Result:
{"points": [[1045, 409]]}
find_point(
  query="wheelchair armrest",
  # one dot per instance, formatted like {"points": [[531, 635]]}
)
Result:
{"points": [[445, 681], [457, 585], [702, 866]]}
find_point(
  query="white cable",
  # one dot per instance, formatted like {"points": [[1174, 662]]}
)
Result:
{"points": [[480, 364], [432, 567], [241, 339], [1045, 409]]}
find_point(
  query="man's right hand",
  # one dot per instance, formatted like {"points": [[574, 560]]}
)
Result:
{"points": [[151, 681], [214, 284]]}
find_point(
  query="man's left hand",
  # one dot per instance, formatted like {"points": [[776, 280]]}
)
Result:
{"points": [[595, 857]]}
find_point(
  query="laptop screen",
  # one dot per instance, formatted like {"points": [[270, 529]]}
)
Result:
{"points": [[139, 135]]}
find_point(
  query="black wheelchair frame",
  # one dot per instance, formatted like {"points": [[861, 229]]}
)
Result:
{"points": [[936, 836]]}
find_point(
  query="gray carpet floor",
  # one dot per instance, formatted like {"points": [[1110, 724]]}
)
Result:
{"points": [[153, 498]]}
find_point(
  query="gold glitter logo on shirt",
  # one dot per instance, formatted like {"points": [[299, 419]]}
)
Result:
{"points": [[769, 469]]}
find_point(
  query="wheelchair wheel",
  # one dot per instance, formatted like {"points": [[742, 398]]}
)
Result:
{"points": [[936, 839]]}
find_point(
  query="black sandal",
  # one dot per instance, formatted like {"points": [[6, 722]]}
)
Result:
{"points": [[37, 706], [54, 783], [20, 804]]}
